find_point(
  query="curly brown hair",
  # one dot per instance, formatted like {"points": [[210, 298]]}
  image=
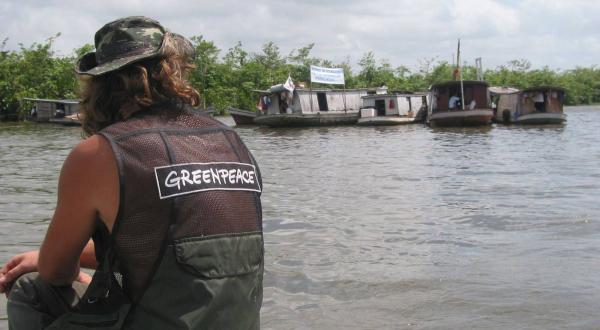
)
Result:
{"points": [[118, 95]]}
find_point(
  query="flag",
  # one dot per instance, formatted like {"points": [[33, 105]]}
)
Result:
{"points": [[456, 73], [289, 84]]}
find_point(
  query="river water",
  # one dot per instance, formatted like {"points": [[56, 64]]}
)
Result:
{"points": [[402, 227]]}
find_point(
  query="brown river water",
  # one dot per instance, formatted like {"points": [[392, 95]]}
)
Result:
{"points": [[402, 227]]}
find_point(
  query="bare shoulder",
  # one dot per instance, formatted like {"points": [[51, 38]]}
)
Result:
{"points": [[92, 149], [90, 172], [92, 155]]}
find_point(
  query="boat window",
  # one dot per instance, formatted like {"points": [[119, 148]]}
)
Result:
{"points": [[60, 110]]}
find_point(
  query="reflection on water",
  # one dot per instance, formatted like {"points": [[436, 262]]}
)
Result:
{"points": [[393, 227]]}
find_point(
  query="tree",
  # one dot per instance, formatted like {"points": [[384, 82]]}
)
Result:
{"points": [[36, 71], [236, 57], [368, 66], [206, 61]]}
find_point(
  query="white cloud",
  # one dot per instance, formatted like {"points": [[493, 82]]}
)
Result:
{"points": [[484, 17], [554, 33]]}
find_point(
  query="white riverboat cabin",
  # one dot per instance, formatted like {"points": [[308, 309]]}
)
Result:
{"points": [[279, 100], [45, 110], [396, 104]]}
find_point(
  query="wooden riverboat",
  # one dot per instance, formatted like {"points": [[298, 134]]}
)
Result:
{"points": [[473, 109], [281, 107], [532, 106], [64, 112], [393, 109]]}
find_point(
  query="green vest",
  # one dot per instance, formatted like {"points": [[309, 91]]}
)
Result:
{"points": [[188, 235]]}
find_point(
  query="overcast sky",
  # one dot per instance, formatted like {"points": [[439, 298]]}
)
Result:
{"points": [[559, 34]]}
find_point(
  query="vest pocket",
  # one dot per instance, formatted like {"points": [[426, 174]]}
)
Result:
{"points": [[220, 256]]}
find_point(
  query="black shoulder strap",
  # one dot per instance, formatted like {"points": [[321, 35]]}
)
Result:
{"points": [[103, 281]]}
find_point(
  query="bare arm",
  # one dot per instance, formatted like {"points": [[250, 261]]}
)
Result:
{"points": [[73, 222], [88, 188]]}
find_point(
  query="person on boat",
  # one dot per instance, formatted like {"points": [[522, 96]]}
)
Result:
{"points": [[454, 102], [472, 105], [538, 101], [162, 201], [283, 104], [60, 113]]}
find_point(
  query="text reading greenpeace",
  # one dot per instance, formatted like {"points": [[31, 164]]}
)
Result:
{"points": [[180, 179]]}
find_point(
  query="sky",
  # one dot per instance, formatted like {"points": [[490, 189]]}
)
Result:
{"points": [[559, 34]]}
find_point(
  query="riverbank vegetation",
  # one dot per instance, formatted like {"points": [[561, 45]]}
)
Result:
{"points": [[228, 78]]}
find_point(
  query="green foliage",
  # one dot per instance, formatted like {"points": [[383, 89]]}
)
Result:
{"points": [[79, 52], [231, 80], [582, 85], [34, 71]]}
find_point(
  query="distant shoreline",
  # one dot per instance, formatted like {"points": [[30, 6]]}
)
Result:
{"points": [[583, 105]]}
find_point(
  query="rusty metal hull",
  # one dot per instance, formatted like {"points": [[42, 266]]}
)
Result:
{"points": [[477, 117]]}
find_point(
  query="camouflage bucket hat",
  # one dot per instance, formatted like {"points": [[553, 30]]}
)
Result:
{"points": [[123, 42]]}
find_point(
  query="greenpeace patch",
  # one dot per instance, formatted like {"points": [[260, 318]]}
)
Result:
{"points": [[181, 179]]}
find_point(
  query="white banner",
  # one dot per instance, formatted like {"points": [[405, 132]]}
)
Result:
{"points": [[333, 76]]}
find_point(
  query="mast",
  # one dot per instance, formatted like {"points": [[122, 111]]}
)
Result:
{"points": [[462, 88]]}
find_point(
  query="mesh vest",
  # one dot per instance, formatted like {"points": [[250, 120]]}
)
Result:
{"points": [[188, 234]]}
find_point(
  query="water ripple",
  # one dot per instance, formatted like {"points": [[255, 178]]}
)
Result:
{"points": [[393, 227]]}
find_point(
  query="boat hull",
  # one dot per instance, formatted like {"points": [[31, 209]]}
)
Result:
{"points": [[306, 120], [385, 121], [72, 120], [541, 119], [477, 117], [242, 117]]}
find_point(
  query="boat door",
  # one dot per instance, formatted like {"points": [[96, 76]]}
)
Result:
{"points": [[322, 99], [380, 107]]}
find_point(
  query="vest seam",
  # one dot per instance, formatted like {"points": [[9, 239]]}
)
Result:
{"points": [[257, 202], [119, 217], [120, 170], [216, 236], [174, 131], [172, 213], [257, 206], [237, 154]]}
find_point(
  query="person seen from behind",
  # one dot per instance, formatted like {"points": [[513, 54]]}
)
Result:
{"points": [[163, 202]]}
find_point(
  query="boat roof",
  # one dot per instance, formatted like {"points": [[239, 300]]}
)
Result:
{"points": [[373, 89], [543, 88], [65, 101], [450, 83], [503, 90], [395, 95], [278, 88]]}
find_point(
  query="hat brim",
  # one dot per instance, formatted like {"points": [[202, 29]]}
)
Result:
{"points": [[87, 64]]}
